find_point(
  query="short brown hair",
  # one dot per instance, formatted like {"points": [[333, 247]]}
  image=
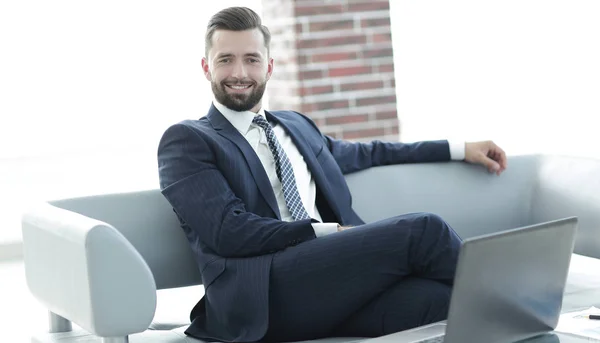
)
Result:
{"points": [[235, 19]]}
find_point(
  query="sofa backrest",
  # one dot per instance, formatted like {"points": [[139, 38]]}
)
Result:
{"points": [[467, 197], [570, 186], [472, 201]]}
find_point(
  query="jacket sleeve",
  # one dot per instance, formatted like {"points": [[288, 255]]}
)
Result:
{"points": [[356, 156], [206, 205]]}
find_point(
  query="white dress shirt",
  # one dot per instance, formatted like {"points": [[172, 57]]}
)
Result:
{"points": [[307, 189]]}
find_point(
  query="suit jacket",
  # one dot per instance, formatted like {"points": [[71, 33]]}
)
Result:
{"points": [[221, 194]]}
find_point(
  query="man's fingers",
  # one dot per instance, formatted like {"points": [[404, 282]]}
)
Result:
{"points": [[503, 159], [491, 165], [498, 155]]}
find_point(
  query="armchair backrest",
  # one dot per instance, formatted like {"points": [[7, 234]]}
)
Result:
{"points": [[147, 220]]}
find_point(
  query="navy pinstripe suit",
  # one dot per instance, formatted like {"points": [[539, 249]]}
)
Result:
{"points": [[258, 271]]}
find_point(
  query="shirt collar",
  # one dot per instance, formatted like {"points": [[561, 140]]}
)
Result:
{"points": [[240, 120]]}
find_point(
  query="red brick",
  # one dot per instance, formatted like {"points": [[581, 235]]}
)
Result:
{"points": [[306, 30], [385, 52], [361, 86], [327, 105], [311, 10], [304, 91], [375, 22], [388, 99], [360, 118], [369, 6], [364, 133], [346, 71], [311, 74], [331, 25], [386, 115], [382, 37], [302, 59], [334, 56], [386, 68], [332, 41], [307, 108]]}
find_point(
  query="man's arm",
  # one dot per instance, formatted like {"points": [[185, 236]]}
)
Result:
{"points": [[203, 199], [355, 156]]}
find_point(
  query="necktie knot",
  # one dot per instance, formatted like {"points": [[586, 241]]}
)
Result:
{"points": [[261, 121]]}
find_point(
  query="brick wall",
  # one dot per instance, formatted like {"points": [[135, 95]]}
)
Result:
{"points": [[334, 63]]}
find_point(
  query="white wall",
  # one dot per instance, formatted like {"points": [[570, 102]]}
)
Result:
{"points": [[524, 73], [86, 90], [79, 75]]}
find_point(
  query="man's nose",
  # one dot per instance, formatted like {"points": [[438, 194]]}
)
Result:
{"points": [[239, 70]]}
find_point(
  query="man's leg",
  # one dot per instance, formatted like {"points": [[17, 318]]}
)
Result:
{"points": [[409, 303], [318, 285]]}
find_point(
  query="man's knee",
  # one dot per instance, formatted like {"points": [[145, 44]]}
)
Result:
{"points": [[428, 221], [430, 227]]}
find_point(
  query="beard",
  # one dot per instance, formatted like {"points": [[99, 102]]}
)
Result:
{"points": [[238, 102]]}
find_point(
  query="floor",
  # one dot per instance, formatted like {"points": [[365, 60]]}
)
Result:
{"points": [[21, 315]]}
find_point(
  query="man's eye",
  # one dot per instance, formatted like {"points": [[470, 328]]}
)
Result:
{"points": [[253, 60], [224, 60]]}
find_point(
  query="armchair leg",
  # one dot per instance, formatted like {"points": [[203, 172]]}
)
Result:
{"points": [[58, 323], [115, 339]]}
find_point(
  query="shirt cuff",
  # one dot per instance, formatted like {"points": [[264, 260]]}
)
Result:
{"points": [[457, 150], [324, 229]]}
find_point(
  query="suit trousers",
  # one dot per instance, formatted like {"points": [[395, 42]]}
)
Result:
{"points": [[367, 281]]}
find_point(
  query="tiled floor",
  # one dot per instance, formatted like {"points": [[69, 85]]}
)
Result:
{"points": [[21, 315]]}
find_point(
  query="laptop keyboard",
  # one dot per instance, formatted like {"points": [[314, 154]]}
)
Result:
{"points": [[437, 339]]}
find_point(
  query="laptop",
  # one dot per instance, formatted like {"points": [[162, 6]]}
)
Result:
{"points": [[508, 287]]}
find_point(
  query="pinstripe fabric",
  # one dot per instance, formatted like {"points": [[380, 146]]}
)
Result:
{"points": [[354, 283], [219, 190]]}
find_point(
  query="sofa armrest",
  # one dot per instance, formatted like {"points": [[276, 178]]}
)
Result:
{"points": [[86, 271]]}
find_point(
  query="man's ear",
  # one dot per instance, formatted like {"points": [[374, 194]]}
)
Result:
{"points": [[269, 68], [206, 69]]}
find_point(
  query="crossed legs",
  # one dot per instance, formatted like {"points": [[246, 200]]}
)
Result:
{"points": [[367, 281]]}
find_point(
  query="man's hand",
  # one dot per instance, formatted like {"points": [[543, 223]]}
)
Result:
{"points": [[488, 154]]}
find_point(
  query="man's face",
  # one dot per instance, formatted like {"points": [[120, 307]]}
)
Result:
{"points": [[238, 67]]}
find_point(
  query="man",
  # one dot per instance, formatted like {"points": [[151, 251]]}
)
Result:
{"points": [[263, 201]]}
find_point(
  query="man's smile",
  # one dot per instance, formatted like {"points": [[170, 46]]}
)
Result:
{"points": [[238, 88]]}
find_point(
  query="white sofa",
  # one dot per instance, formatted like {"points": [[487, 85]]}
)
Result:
{"points": [[98, 261]]}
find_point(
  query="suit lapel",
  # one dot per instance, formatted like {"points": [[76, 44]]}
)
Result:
{"points": [[309, 157], [225, 129]]}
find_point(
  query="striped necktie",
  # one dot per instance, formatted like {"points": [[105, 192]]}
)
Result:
{"points": [[284, 171]]}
